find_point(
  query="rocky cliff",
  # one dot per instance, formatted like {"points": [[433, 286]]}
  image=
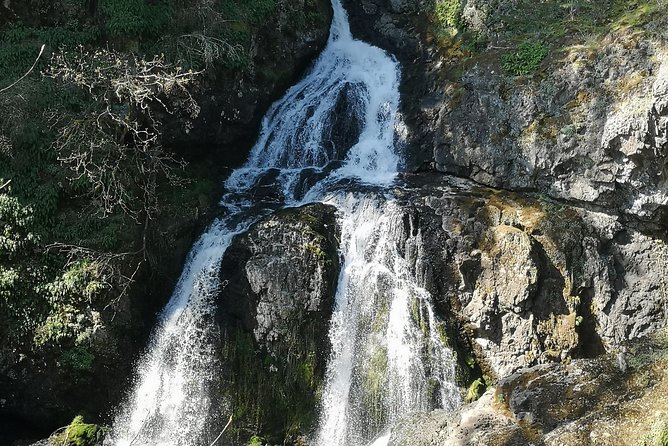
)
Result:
{"points": [[587, 126], [585, 130], [553, 246]]}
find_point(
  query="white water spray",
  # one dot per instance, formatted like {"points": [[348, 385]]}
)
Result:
{"points": [[307, 149]]}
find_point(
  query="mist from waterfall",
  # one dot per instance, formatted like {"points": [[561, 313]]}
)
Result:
{"points": [[388, 354]]}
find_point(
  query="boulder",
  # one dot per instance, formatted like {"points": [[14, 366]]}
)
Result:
{"points": [[279, 281]]}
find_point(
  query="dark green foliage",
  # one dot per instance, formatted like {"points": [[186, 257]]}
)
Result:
{"points": [[78, 358], [526, 59], [254, 13], [134, 18]]}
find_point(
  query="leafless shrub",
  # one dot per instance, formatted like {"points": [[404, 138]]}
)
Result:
{"points": [[115, 145], [109, 266], [206, 48]]}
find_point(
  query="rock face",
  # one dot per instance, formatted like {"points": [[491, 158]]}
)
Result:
{"points": [[607, 401], [533, 281], [563, 136], [280, 280], [590, 129], [575, 272]]}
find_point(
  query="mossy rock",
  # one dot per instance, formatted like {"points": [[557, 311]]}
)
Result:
{"points": [[274, 312], [80, 433]]}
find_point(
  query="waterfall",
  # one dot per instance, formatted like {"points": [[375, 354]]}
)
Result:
{"points": [[389, 349], [388, 356]]}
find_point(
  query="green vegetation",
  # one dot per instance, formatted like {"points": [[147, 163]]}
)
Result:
{"points": [[91, 198], [475, 390], [526, 59], [270, 396], [316, 250], [520, 36], [657, 436], [447, 14], [129, 18], [552, 20], [78, 358], [88, 193], [79, 433], [375, 383], [255, 441], [450, 33]]}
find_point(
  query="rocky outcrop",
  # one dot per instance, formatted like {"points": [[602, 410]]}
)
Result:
{"points": [[590, 128], [279, 284], [612, 400], [533, 281], [536, 279], [573, 135]]}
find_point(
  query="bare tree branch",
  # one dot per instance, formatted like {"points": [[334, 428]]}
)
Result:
{"points": [[27, 72], [222, 432]]}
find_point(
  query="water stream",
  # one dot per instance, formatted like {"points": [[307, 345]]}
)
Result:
{"points": [[332, 138]]}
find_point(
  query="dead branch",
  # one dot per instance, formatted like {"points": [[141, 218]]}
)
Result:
{"points": [[27, 72], [222, 432]]}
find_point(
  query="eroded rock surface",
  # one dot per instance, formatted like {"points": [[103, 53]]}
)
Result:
{"points": [[279, 284], [611, 400], [535, 281], [590, 128]]}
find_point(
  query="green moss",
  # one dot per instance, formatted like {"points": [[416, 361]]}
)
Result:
{"points": [[415, 310], [273, 398], [316, 250], [375, 376], [79, 433], [377, 370], [443, 334], [662, 437], [657, 435], [308, 370], [447, 13], [474, 391], [379, 321], [525, 59], [255, 441]]}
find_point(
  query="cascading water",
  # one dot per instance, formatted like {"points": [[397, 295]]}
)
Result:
{"points": [[388, 358], [389, 350]]}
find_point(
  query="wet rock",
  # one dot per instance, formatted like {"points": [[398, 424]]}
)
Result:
{"points": [[279, 284]]}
